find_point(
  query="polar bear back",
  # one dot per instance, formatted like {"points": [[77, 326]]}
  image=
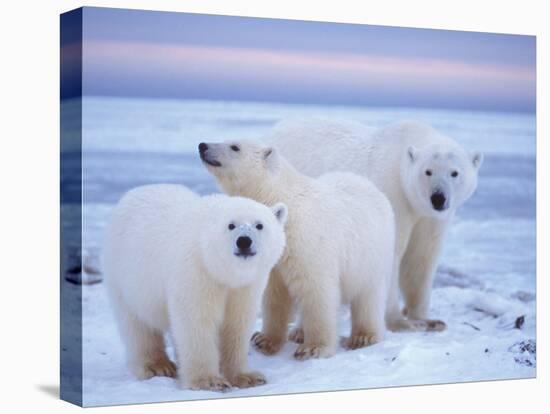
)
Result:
{"points": [[344, 218], [318, 145]]}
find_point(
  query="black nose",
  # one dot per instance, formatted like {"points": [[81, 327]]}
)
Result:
{"points": [[202, 147], [438, 200], [244, 242]]}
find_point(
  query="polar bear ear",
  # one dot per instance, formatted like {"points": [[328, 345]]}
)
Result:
{"points": [[281, 212], [477, 159], [412, 153], [270, 157], [268, 152]]}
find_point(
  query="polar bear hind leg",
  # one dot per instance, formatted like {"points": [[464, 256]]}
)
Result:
{"points": [[367, 318], [368, 325], [145, 347], [417, 270]]}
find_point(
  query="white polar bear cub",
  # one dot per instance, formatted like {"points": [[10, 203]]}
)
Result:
{"points": [[195, 267], [340, 242], [425, 175]]}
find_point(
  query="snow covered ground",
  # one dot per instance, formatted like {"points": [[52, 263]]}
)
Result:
{"points": [[486, 280]]}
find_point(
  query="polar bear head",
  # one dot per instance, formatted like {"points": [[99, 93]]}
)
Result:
{"points": [[245, 167], [241, 239], [439, 178]]}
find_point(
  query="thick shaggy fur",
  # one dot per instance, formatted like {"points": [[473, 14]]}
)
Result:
{"points": [[340, 242], [397, 159], [171, 266]]}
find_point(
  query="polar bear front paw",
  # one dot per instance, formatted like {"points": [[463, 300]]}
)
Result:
{"points": [[296, 335], [435, 325], [416, 325], [304, 352], [247, 379], [428, 325], [158, 368], [210, 383], [264, 344], [360, 340]]}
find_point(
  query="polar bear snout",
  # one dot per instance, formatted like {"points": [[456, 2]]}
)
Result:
{"points": [[244, 242], [203, 147], [439, 201], [244, 245], [206, 157]]}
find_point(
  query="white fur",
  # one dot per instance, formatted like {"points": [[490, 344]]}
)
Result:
{"points": [[396, 159], [340, 241], [170, 265]]}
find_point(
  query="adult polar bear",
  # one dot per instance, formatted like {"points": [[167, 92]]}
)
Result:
{"points": [[425, 175]]}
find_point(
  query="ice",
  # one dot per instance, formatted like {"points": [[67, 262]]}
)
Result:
{"points": [[485, 281]]}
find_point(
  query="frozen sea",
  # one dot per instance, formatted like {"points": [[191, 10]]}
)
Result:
{"points": [[485, 282]]}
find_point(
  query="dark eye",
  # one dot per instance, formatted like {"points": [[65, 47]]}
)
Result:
{"points": [[454, 174], [428, 172], [235, 148], [231, 226], [259, 226]]}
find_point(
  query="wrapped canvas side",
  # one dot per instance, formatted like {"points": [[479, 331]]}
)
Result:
{"points": [[71, 207]]}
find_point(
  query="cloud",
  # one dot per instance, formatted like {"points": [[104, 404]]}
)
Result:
{"points": [[152, 69]]}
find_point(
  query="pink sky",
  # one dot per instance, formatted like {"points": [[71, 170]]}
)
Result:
{"points": [[256, 67]]}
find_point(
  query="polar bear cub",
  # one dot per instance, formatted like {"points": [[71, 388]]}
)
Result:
{"points": [[340, 243], [195, 267]]}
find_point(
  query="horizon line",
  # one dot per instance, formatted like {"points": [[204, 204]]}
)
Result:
{"points": [[303, 103]]}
